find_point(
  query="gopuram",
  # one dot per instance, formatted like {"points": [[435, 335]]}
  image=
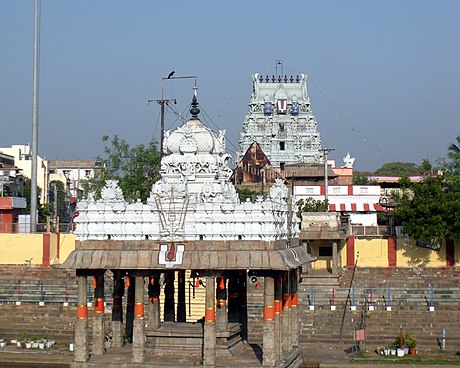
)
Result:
{"points": [[281, 121], [192, 230]]}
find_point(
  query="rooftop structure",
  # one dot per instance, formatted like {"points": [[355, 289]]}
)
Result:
{"points": [[281, 121], [193, 225]]}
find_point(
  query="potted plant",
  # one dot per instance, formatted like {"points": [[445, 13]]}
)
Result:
{"points": [[411, 343]]}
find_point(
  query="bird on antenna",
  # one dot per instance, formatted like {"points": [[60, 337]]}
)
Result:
{"points": [[171, 74]]}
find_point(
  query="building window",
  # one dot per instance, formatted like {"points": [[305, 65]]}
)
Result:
{"points": [[87, 172], [325, 251], [282, 165], [282, 146]]}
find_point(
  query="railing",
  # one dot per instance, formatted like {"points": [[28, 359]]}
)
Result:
{"points": [[359, 230], [38, 292], [427, 298], [16, 228]]}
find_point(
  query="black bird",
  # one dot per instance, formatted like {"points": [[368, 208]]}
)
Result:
{"points": [[171, 74]]}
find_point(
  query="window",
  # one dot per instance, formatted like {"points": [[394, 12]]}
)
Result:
{"points": [[282, 146], [325, 251]]}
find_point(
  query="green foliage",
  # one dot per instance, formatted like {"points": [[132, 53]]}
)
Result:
{"points": [[43, 210], [362, 178], [311, 205], [136, 168], [246, 192], [399, 169], [59, 201], [427, 212], [408, 341]]}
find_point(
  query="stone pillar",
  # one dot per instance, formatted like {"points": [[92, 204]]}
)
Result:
{"points": [[98, 318], [286, 315], [243, 304], [335, 258], [168, 310], [117, 310], [233, 299], [138, 325], [181, 307], [278, 309], [269, 358], [294, 309], [81, 354], [209, 337], [221, 310], [130, 285], [154, 301]]}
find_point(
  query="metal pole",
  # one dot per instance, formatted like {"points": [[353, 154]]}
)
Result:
{"points": [[326, 178], [33, 179]]}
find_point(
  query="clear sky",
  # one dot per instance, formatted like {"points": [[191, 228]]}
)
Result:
{"points": [[384, 76]]}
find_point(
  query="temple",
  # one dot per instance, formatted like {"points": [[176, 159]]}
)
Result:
{"points": [[281, 121], [192, 234]]}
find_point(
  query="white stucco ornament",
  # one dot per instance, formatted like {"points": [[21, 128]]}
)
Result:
{"points": [[193, 200], [349, 161]]}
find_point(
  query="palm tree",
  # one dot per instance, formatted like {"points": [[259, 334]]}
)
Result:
{"points": [[454, 150]]}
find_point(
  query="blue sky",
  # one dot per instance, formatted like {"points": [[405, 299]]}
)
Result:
{"points": [[384, 76]]}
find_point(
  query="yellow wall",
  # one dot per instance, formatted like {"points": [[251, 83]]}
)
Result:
{"points": [[66, 247], [372, 252], [409, 255], [17, 248]]}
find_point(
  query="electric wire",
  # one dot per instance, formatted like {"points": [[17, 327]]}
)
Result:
{"points": [[338, 112]]}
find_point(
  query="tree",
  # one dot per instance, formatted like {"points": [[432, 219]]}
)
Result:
{"points": [[58, 201], [136, 169], [43, 210], [451, 167], [362, 178], [428, 212], [311, 205], [398, 169]]}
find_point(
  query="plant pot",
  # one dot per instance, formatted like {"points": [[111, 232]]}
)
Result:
{"points": [[393, 351], [41, 345], [28, 344], [34, 345], [400, 352], [2, 344], [413, 351], [406, 350]]}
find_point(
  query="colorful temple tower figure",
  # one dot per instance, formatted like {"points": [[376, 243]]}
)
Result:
{"points": [[281, 121], [192, 234]]}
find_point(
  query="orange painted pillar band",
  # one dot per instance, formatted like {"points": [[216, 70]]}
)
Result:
{"points": [[286, 301], [269, 313], [99, 305], [294, 300], [139, 310], [277, 307], [210, 315], [221, 302], [82, 312]]}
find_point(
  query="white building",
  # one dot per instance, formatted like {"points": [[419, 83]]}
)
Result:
{"points": [[23, 160]]}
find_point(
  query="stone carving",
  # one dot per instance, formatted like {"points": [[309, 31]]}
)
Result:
{"points": [[111, 192], [192, 199], [266, 132], [349, 161]]}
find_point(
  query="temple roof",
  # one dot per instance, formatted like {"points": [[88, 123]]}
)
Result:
{"points": [[141, 259]]}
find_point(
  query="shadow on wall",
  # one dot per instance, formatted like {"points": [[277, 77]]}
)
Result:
{"points": [[417, 256]]}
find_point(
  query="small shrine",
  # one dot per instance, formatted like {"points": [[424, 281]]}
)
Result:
{"points": [[193, 231]]}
